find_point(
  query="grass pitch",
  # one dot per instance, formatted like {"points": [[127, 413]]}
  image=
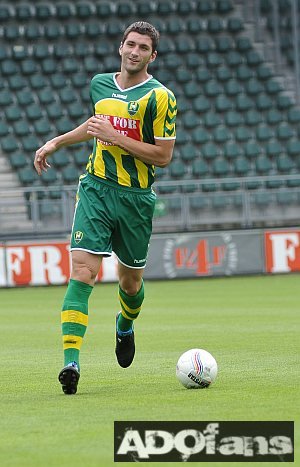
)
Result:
{"points": [[249, 324]]}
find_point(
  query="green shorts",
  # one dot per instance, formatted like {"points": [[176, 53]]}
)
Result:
{"points": [[113, 218]]}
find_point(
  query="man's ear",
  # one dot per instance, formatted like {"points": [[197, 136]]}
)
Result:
{"points": [[153, 56], [120, 48]]}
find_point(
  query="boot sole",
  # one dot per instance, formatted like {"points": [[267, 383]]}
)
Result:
{"points": [[68, 378]]}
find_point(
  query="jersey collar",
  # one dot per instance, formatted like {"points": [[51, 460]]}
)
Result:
{"points": [[132, 87]]}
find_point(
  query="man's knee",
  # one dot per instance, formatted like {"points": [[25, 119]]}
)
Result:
{"points": [[83, 273], [85, 268], [131, 284]]}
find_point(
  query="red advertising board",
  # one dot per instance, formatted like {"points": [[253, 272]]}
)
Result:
{"points": [[282, 251], [43, 264]]}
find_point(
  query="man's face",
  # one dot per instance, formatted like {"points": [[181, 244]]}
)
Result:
{"points": [[136, 52]]}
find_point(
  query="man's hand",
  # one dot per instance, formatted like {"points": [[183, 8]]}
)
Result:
{"points": [[40, 160], [101, 128], [158, 154]]}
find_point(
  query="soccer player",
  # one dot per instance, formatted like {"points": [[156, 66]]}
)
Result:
{"points": [[133, 127]]}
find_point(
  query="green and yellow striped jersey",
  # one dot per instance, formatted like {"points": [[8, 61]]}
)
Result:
{"points": [[144, 112]]}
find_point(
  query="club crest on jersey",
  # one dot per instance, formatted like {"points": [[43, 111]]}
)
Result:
{"points": [[78, 236], [133, 107]]}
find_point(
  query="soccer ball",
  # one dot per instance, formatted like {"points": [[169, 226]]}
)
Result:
{"points": [[196, 369]]}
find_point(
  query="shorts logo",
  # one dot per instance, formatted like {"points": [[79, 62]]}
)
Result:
{"points": [[139, 261], [78, 236], [133, 107]]}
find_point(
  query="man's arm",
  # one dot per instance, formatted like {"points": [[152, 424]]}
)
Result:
{"points": [[158, 154], [78, 135]]}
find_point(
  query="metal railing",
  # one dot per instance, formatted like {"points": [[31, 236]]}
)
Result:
{"points": [[191, 205], [276, 32]]}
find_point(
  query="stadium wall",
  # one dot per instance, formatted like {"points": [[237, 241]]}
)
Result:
{"points": [[171, 256]]}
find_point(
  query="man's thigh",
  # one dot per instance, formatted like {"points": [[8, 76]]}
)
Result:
{"points": [[93, 219], [130, 240]]}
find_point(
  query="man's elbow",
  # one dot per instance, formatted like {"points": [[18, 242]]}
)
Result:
{"points": [[164, 161], [162, 164]]}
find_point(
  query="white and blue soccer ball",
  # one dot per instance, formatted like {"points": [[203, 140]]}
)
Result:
{"points": [[196, 369]]}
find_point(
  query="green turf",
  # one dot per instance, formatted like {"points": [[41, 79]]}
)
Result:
{"points": [[250, 325]]}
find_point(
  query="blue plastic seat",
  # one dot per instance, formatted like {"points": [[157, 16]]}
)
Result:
{"points": [[285, 164], [252, 149], [243, 102], [200, 168], [263, 165], [165, 8], [104, 9], [44, 11], [175, 26], [253, 117], [125, 9], [9, 67], [24, 12], [221, 134], [264, 132], [194, 25], [210, 150], [93, 29], [242, 166], [70, 174], [232, 150], [220, 167], [273, 148], [18, 160], [41, 50], [293, 147], [12, 32], [53, 30], [233, 118], [184, 7], [21, 128], [30, 143], [212, 119], [27, 176], [189, 152], [223, 73], [84, 9], [200, 135], [4, 128], [6, 98], [9, 144], [223, 44], [284, 131], [234, 25], [243, 133], [42, 127], [13, 113], [215, 24], [65, 10], [205, 7], [33, 31], [6, 12], [223, 7], [177, 169]]}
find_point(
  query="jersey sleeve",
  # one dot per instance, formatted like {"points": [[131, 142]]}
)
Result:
{"points": [[95, 82], [166, 110]]}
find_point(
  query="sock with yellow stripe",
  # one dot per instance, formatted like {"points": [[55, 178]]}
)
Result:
{"points": [[130, 309], [74, 318]]}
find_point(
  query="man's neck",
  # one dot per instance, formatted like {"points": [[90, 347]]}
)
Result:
{"points": [[125, 80]]}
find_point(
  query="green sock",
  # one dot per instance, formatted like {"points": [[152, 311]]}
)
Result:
{"points": [[74, 319], [130, 308]]}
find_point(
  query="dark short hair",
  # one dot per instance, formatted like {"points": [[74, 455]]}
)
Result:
{"points": [[147, 29]]}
